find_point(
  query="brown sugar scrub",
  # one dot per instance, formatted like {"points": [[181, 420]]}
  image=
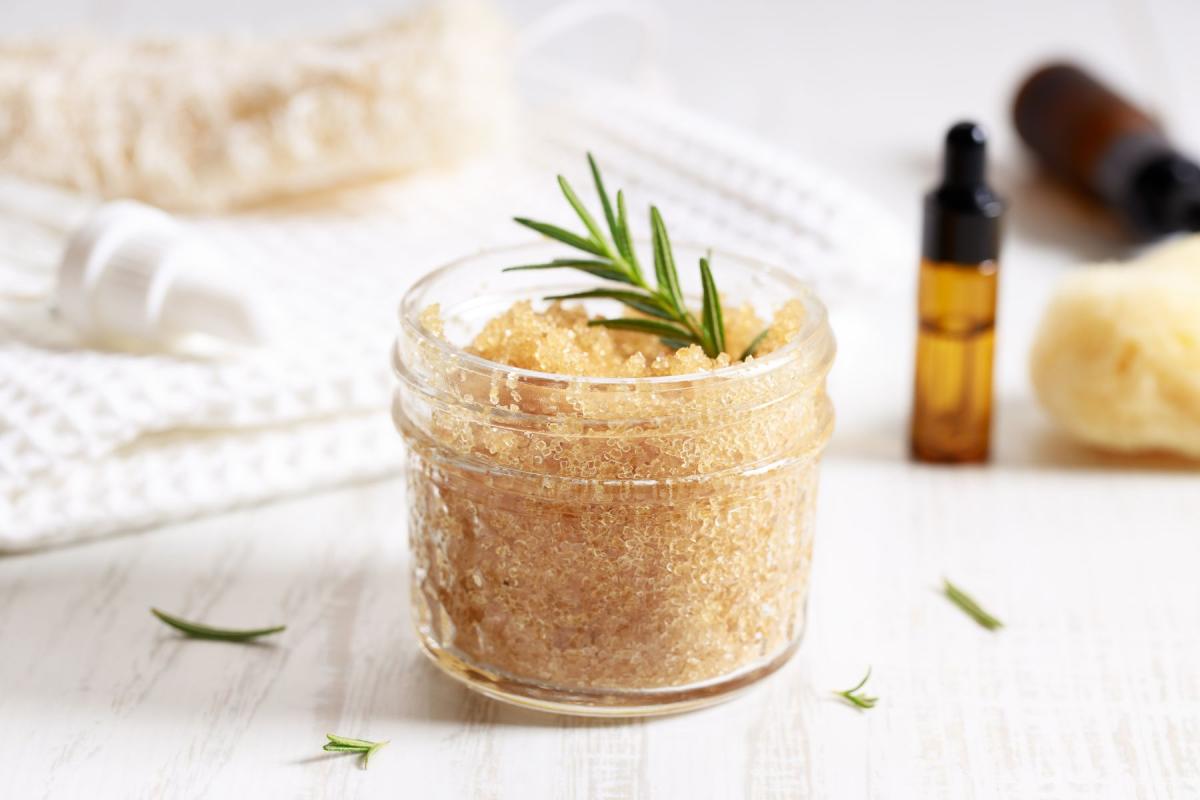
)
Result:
{"points": [[607, 544], [559, 340], [603, 523]]}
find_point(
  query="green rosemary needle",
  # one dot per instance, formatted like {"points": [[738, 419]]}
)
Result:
{"points": [[344, 744], [614, 259], [856, 698], [199, 631], [753, 346], [968, 605]]}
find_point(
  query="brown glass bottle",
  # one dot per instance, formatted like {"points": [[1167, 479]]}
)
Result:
{"points": [[1096, 140], [956, 307]]}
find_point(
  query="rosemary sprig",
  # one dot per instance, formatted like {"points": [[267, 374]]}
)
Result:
{"points": [[857, 699], [344, 744], [199, 631], [664, 306], [968, 605]]}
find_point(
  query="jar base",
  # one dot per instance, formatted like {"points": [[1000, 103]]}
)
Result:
{"points": [[602, 702]]}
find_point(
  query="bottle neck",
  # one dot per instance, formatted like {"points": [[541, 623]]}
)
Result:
{"points": [[961, 227], [1191, 218], [1154, 186], [1166, 191]]}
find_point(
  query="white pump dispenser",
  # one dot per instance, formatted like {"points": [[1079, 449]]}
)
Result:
{"points": [[131, 273]]}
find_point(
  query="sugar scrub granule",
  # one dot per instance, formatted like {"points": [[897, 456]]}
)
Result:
{"points": [[787, 322], [559, 340], [431, 320], [687, 361], [742, 324]]}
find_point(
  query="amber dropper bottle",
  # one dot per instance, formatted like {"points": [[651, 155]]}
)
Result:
{"points": [[1096, 140], [956, 307]]}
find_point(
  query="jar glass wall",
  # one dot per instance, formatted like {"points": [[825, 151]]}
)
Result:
{"points": [[607, 546]]}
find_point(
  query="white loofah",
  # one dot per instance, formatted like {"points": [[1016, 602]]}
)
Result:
{"points": [[212, 124], [1116, 361]]}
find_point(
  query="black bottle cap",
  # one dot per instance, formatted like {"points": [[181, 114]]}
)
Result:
{"points": [[1165, 195], [962, 215]]}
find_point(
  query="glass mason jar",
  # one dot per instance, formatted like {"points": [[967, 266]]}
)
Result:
{"points": [[607, 546]]}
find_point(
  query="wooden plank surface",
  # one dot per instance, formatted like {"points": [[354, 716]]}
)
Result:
{"points": [[1092, 689]]}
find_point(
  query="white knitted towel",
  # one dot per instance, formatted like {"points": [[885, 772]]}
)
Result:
{"points": [[93, 443]]}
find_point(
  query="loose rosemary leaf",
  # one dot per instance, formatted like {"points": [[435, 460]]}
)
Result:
{"points": [[343, 744], [857, 699], [968, 605], [199, 631], [346, 741], [366, 759]]}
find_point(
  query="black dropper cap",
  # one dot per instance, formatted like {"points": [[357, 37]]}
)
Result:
{"points": [[962, 215]]}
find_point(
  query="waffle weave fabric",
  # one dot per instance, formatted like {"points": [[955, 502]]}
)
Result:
{"points": [[94, 443]]}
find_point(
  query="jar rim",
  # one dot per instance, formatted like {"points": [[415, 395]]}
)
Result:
{"points": [[815, 320]]}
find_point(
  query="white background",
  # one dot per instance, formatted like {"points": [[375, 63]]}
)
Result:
{"points": [[1092, 690]]}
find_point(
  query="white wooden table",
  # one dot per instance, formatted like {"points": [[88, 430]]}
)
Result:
{"points": [[1092, 689]]}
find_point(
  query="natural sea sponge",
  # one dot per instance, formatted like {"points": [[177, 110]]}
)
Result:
{"points": [[1116, 361]]}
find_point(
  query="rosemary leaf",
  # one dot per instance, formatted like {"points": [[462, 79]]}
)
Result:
{"points": [[601, 269], [343, 744], [968, 605], [712, 318], [563, 235], [646, 303], [617, 261], [664, 329], [588, 221], [346, 741], [625, 240], [609, 216], [856, 698], [199, 631], [753, 346], [664, 264], [366, 759]]}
